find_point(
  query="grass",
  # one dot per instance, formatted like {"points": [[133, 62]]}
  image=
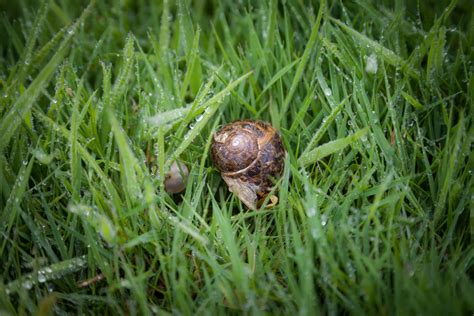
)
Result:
{"points": [[375, 212]]}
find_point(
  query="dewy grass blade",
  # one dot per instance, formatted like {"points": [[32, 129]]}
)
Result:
{"points": [[23, 104], [12, 207], [330, 148], [305, 57], [388, 55], [211, 107], [198, 106], [451, 158], [192, 78], [417, 105], [130, 168], [164, 118], [120, 85], [86, 156], [25, 61], [75, 159], [52, 272], [277, 76], [325, 125], [188, 229], [165, 30]]}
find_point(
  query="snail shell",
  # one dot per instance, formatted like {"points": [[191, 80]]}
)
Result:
{"points": [[176, 178], [250, 156]]}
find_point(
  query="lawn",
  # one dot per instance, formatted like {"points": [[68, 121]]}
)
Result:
{"points": [[373, 101]]}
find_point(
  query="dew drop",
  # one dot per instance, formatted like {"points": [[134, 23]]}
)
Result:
{"points": [[311, 211], [27, 284], [315, 233], [324, 220], [371, 64], [41, 277], [42, 157]]}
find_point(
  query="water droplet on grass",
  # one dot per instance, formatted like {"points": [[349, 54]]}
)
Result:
{"points": [[315, 233], [324, 219], [43, 157], [371, 65], [41, 277], [311, 211], [27, 284]]}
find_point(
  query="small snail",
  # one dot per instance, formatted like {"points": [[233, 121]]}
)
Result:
{"points": [[250, 156], [175, 180]]}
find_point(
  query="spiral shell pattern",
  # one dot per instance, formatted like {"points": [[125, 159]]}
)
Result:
{"points": [[250, 152]]}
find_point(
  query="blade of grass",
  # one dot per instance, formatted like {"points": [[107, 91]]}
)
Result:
{"points": [[329, 148], [23, 104], [388, 55], [325, 125], [305, 57], [52, 272], [131, 171]]}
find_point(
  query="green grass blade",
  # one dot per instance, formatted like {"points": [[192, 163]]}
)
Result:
{"points": [[11, 121], [132, 173], [52, 272], [325, 125], [388, 55], [13, 204], [330, 148], [305, 57]]}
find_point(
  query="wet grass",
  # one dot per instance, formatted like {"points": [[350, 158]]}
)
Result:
{"points": [[374, 104]]}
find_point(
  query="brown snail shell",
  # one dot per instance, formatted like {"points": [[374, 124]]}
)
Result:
{"points": [[250, 156], [176, 178]]}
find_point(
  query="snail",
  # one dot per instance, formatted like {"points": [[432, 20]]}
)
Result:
{"points": [[175, 180], [250, 157]]}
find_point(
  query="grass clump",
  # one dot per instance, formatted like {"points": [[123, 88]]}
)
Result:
{"points": [[374, 103]]}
